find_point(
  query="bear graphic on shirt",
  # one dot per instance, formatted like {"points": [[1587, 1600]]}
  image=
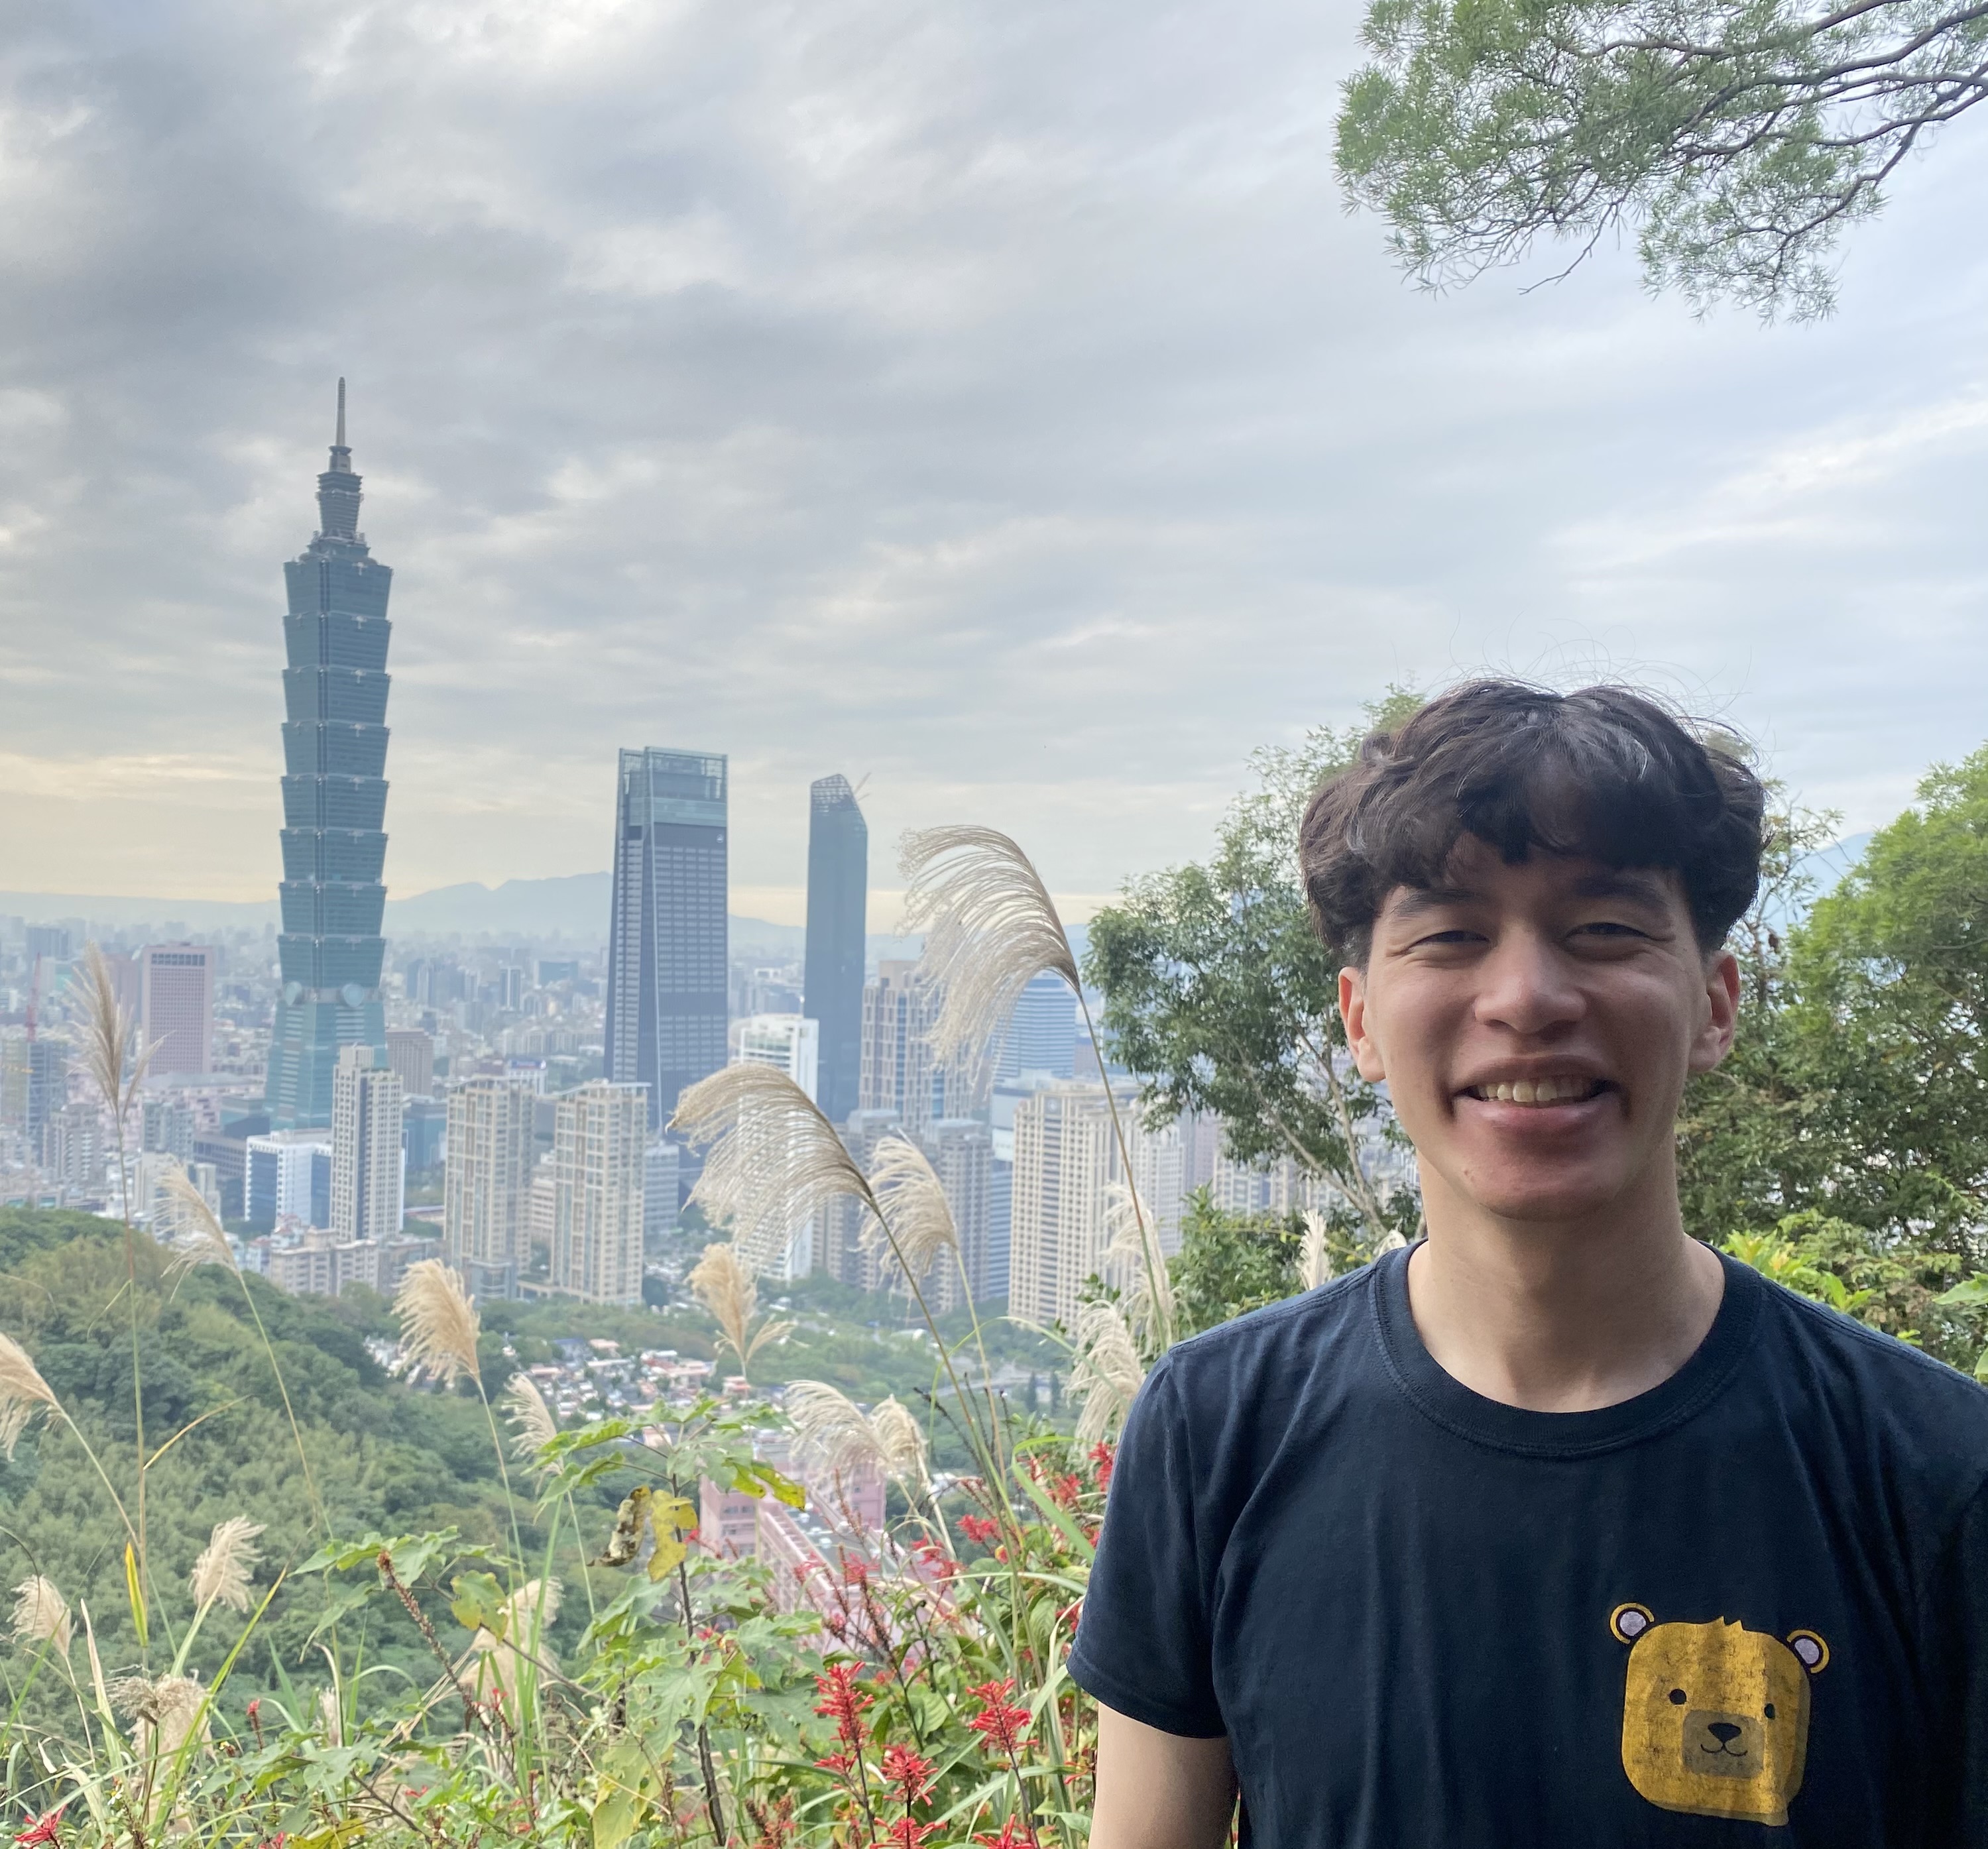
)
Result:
{"points": [[1714, 1717]]}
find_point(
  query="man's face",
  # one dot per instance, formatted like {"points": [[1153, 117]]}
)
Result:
{"points": [[1535, 1026]]}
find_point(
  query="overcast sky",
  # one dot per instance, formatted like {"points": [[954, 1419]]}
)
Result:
{"points": [[991, 401]]}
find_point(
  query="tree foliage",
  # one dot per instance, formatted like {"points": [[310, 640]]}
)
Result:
{"points": [[1220, 996], [1734, 139]]}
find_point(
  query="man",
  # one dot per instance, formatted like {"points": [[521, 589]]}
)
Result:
{"points": [[1557, 1528]]}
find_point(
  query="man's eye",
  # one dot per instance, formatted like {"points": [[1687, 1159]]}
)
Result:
{"points": [[1608, 927], [1459, 936]]}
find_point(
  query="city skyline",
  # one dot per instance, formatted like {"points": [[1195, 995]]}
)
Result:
{"points": [[986, 460]]}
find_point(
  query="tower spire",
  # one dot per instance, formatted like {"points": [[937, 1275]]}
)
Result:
{"points": [[338, 441]]}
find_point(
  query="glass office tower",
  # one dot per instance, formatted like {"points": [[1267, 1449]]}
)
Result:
{"points": [[666, 941], [838, 888], [334, 803]]}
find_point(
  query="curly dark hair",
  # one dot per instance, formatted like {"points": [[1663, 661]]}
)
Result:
{"points": [[1606, 773]]}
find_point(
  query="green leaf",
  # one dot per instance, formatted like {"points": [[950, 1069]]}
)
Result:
{"points": [[479, 1603], [615, 1817], [784, 1488], [1969, 1291]]}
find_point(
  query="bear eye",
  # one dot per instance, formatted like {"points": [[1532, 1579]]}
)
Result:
{"points": [[1677, 1697], [1767, 1712]]}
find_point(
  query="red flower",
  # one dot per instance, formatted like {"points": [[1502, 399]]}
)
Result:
{"points": [[1105, 1457], [936, 1561], [912, 1775], [1015, 1834], [42, 1830], [1065, 1490], [906, 1834], [978, 1529], [1002, 1726], [843, 1701], [840, 1763]]}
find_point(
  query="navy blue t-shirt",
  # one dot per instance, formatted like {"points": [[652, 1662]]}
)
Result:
{"points": [[1749, 1607]]}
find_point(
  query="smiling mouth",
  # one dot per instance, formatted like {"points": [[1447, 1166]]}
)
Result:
{"points": [[1539, 1091]]}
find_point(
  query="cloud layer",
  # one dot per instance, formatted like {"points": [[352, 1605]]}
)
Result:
{"points": [[991, 402]]}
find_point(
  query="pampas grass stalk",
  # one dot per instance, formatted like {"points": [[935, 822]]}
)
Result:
{"points": [[42, 1615], [722, 1283], [22, 1393], [439, 1331], [1148, 1299], [775, 1161], [191, 1223], [837, 1434], [116, 1063], [991, 928], [1108, 1373], [1314, 1261]]}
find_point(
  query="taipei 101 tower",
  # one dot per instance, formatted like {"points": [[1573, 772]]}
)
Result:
{"points": [[335, 635]]}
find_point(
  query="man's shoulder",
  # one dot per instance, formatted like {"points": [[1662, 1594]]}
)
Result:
{"points": [[1320, 1327], [1929, 1417]]}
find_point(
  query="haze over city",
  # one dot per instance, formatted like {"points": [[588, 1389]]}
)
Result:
{"points": [[1005, 412]]}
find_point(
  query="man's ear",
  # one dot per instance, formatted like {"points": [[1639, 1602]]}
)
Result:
{"points": [[1353, 1016], [1714, 1039]]}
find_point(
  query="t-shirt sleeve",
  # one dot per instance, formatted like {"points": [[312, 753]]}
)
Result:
{"points": [[1142, 1638], [1960, 1613]]}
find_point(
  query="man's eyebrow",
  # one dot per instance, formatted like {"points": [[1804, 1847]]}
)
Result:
{"points": [[1412, 901], [1623, 883]]}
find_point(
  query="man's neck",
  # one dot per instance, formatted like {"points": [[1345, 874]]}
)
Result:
{"points": [[1562, 1317]]}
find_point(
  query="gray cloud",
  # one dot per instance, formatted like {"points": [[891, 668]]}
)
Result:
{"points": [[992, 400]]}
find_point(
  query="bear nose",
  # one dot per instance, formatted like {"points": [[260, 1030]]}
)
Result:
{"points": [[1724, 1732]]}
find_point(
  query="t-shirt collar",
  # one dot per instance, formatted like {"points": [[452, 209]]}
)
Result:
{"points": [[1450, 1404]]}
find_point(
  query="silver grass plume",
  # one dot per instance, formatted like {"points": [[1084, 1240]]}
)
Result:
{"points": [[22, 1390], [775, 1163], [221, 1574], [439, 1326], [1134, 1261], [187, 1222], [162, 1711], [990, 927], [1107, 1373], [530, 1419], [1314, 1261], [901, 1440], [834, 1432], [912, 1198], [41, 1614], [526, 1619], [111, 1054], [723, 1284]]}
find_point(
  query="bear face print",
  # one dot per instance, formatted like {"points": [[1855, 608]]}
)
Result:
{"points": [[1714, 1717]]}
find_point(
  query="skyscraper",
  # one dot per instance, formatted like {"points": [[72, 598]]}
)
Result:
{"points": [[1041, 1034], [176, 1007], [599, 1140], [368, 1171], [486, 1179], [666, 945], [334, 803], [790, 1043], [837, 894]]}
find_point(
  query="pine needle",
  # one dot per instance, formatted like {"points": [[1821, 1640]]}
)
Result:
{"points": [[41, 1614], [990, 929], [22, 1390], [912, 1198], [775, 1163], [1108, 1374], [439, 1326], [221, 1574]]}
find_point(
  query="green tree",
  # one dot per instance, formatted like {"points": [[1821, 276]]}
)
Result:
{"points": [[1734, 142], [1220, 996], [1231, 1264]]}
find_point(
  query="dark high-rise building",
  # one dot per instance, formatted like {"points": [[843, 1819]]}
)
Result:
{"points": [[666, 939], [838, 891], [334, 803]]}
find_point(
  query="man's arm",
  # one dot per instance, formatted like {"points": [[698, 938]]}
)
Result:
{"points": [[1159, 1790]]}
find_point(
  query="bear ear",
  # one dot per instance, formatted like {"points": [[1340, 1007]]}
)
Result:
{"points": [[1812, 1651], [1629, 1622]]}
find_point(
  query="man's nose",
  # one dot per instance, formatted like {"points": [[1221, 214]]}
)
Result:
{"points": [[1528, 987]]}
